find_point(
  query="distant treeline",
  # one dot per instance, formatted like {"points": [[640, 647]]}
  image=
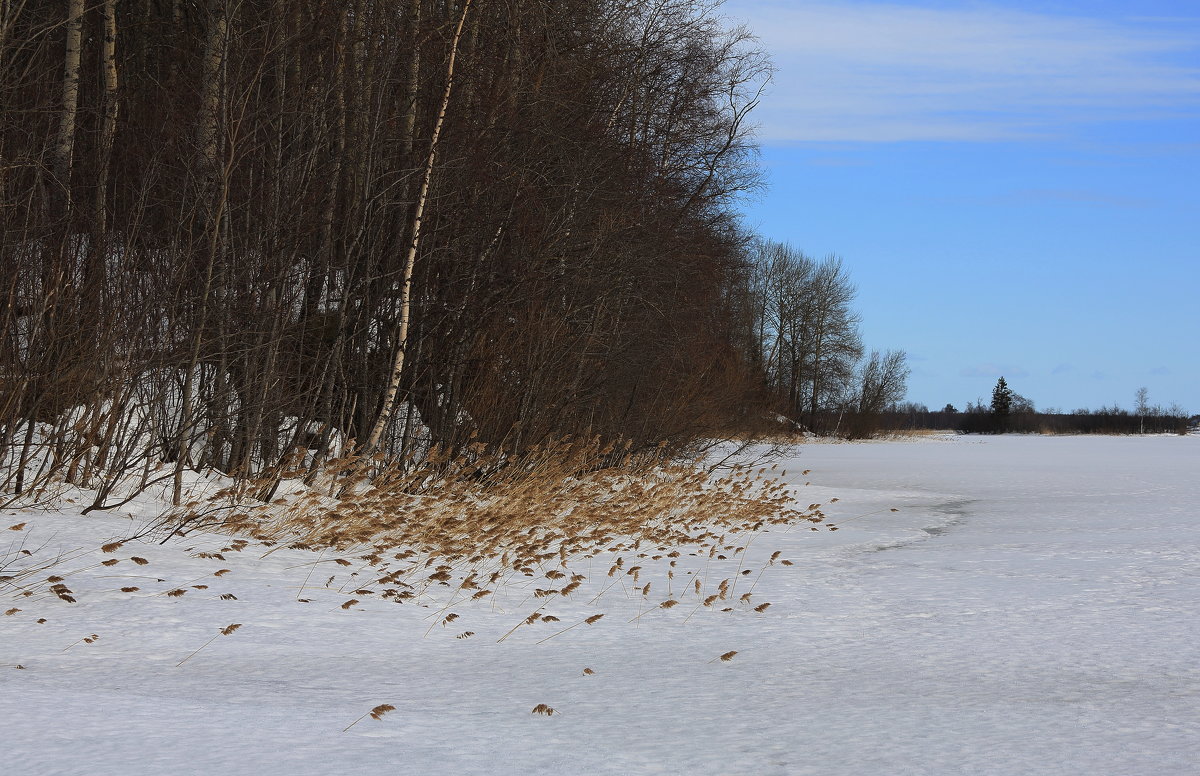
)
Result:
{"points": [[979, 420]]}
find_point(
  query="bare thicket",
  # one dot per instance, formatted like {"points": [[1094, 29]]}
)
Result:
{"points": [[240, 235], [797, 325]]}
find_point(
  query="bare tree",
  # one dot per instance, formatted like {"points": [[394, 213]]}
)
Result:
{"points": [[882, 381], [807, 327]]}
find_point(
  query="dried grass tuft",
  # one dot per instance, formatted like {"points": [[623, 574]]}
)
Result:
{"points": [[227, 630], [62, 591], [375, 713], [464, 527], [562, 500], [381, 709], [92, 639]]}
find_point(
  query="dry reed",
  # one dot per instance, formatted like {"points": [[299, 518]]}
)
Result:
{"points": [[226, 631], [375, 713], [480, 519], [464, 528]]}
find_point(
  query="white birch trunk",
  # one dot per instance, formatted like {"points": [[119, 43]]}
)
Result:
{"points": [[108, 129], [389, 399], [64, 146]]}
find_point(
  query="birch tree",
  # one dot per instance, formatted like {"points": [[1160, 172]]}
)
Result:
{"points": [[64, 144], [397, 371]]}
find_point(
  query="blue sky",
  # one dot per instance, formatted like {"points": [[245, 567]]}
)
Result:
{"points": [[1015, 186]]}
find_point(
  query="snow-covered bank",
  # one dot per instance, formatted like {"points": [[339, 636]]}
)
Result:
{"points": [[1030, 609]]}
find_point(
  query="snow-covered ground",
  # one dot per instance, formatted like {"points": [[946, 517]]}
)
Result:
{"points": [[1030, 609]]}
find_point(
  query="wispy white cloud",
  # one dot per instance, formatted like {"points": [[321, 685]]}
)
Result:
{"points": [[856, 71]]}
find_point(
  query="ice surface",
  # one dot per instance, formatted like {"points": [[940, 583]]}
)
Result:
{"points": [[1031, 608]]}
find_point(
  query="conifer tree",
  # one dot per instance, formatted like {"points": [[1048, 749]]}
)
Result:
{"points": [[1002, 399]]}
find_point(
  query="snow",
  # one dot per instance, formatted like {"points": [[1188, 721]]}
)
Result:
{"points": [[1031, 608]]}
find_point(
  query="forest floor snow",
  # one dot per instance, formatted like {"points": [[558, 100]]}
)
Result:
{"points": [[1030, 608]]}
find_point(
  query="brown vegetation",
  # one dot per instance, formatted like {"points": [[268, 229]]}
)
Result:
{"points": [[467, 526]]}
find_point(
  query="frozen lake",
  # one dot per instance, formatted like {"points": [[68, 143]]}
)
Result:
{"points": [[1042, 617], [1031, 608]]}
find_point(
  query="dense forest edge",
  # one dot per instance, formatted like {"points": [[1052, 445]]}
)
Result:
{"points": [[256, 237]]}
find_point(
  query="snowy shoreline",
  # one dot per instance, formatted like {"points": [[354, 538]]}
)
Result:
{"points": [[1029, 609]]}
